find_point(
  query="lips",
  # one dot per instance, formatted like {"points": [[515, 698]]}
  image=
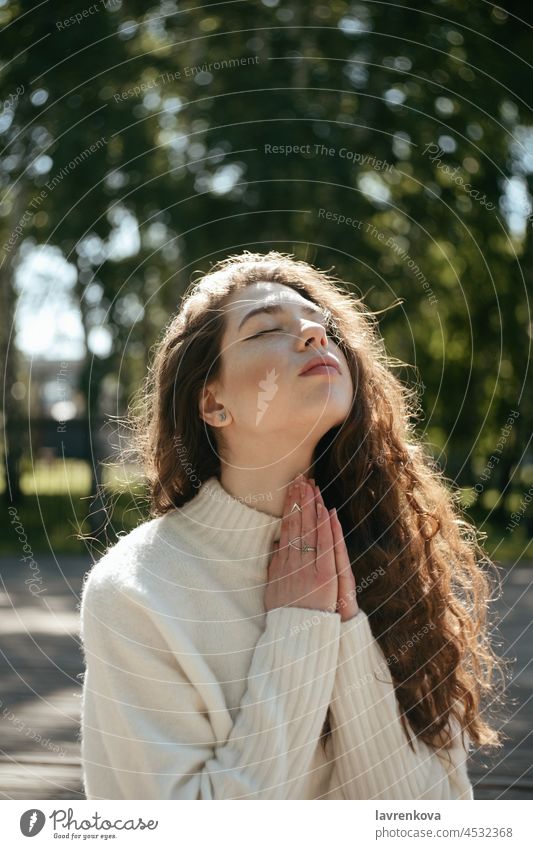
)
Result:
{"points": [[321, 361]]}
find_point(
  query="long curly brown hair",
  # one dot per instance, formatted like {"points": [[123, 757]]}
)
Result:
{"points": [[418, 564]]}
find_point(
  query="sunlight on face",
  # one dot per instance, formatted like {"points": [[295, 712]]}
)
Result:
{"points": [[262, 357]]}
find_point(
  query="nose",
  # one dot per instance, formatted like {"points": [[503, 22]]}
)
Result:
{"points": [[314, 335]]}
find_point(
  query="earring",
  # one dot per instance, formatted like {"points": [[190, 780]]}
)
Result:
{"points": [[222, 417]]}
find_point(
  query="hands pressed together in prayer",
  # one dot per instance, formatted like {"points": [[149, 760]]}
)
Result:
{"points": [[320, 578]]}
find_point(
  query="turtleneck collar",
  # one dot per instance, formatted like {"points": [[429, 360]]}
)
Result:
{"points": [[240, 533]]}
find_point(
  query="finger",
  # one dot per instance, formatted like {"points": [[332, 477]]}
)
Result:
{"points": [[325, 540], [291, 521], [275, 547], [342, 559], [308, 532], [347, 604]]}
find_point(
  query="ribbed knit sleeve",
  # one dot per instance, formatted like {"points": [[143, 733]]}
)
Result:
{"points": [[146, 729], [373, 759]]}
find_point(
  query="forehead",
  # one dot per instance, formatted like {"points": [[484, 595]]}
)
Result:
{"points": [[239, 303]]}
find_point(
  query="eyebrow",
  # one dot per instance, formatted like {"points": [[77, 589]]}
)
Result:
{"points": [[277, 308]]}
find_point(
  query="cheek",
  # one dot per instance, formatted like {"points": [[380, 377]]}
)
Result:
{"points": [[263, 358], [261, 369], [348, 381]]}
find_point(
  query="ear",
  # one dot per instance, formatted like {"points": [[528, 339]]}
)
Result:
{"points": [[210, 410]]}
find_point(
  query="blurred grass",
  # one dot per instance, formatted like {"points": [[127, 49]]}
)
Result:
{"points": [[57, 477], [56, 505]]}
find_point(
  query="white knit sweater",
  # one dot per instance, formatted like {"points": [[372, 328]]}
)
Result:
{"points": [[192, 691]]}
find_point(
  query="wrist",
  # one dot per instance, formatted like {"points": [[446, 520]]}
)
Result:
{"points": [[348, 616]]}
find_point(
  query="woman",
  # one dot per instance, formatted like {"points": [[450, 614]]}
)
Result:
{"points": [[246, 642]]}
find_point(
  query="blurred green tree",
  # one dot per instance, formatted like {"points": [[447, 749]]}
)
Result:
{"points": [[258, 125]]}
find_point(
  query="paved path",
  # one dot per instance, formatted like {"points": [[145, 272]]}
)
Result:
{"points": [[41, 661]]}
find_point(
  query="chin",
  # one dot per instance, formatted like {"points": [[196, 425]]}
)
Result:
{"points": [[332, 407]]}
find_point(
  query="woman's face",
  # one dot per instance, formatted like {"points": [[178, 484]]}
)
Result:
{"points": [[260, 386]]}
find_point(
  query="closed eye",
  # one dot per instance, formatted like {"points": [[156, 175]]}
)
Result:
{"points": [[272, 330]]}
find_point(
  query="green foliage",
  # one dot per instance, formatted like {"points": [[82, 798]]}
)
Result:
{"points": [[406, 121]]}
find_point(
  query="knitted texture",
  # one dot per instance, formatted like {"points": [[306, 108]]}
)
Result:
{"points": [[193, 691]]}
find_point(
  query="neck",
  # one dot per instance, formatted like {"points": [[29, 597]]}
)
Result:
{"points": [[265, 491], [228, 531]]}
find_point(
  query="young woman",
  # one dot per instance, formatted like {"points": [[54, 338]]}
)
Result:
{"points": [[304, 614]]}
